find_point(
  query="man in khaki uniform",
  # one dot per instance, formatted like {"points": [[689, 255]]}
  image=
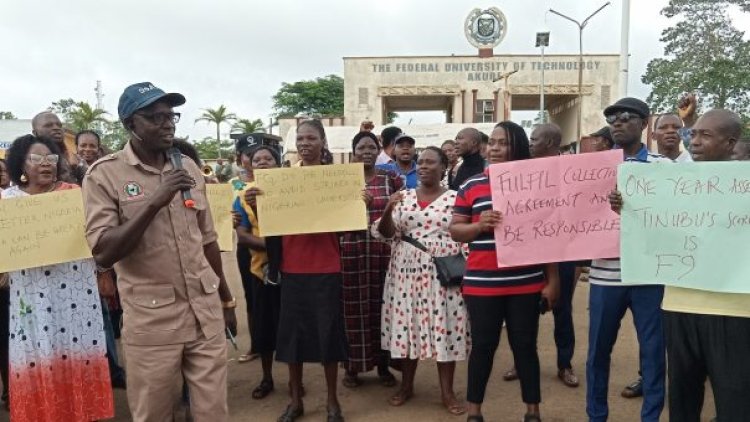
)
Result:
{"points": [[168, 263]]}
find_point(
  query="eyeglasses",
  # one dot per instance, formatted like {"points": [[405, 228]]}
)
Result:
{"points": [[37, 159], [161, 118], [623, 117]]}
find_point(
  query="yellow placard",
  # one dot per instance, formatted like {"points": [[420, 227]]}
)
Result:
{"points": [[220, 199], [315, 199], [42, 229]]}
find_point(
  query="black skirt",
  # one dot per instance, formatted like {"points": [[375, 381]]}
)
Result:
{"points": [[266, 306], [311, 325]]}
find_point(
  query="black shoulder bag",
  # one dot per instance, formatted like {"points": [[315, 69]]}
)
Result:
{"points": [[450, 269]]}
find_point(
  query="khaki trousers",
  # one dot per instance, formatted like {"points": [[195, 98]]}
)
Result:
{"points": [[155, 374]]}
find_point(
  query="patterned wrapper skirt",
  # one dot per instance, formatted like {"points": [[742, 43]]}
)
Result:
{"points": [[58, 363]]}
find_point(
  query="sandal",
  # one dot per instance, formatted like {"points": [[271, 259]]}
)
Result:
{"points": [[387, 380], [400, 398], [511, 375], [248, 357], [291, 413], [262, 390], [530, 417], [351, 381], [334, 415]]}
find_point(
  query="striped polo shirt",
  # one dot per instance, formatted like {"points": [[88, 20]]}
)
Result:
{"points": [[483, 277], [606, 271]]}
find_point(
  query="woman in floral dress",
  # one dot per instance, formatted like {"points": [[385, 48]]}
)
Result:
{"points": [[421, 319], [58, 367]]}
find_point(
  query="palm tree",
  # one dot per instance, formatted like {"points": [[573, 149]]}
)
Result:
{"points": [[83, 116], [217, 116], [248, 126]]}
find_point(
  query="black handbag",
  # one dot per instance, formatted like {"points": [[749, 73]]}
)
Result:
{"points": [[450, 269]]}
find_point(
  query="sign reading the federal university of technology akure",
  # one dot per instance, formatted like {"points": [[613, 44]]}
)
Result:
{"points": [[483, 69], [686, 225]]}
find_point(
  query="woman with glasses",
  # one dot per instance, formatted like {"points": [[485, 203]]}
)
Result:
{"points": [[514, 296], [58, 367]]}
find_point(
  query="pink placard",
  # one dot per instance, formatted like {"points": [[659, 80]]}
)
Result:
{"points": [[556, 209]]}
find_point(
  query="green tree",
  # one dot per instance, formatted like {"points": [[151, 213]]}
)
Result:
{"points": [[248, 126], [217, 116], [319, 97], [7, 115], [84, 117], [208, 148], [114, 137], [63, 107], [704, 53]]}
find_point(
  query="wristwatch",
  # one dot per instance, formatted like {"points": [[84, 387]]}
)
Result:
{"points": [[230, 304]]}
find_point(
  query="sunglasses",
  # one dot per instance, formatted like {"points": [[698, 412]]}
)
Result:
{"points": [[161, 118], [37, 159], [623, 117]]}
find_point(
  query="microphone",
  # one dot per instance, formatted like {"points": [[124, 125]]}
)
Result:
{"points": [[175, 156]]}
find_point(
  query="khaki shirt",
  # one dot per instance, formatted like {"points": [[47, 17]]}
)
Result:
{"points": [[168, 289], [678, 299]]}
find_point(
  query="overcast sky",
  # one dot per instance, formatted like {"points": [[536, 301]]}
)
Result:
{"points": [[238, 53]]}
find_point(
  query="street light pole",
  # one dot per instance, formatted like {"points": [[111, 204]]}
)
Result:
{"points": [[542, 40], [580, 25]]}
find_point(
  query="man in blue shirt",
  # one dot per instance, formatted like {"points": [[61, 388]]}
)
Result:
{"points": [[609, 299], [405, 166]]}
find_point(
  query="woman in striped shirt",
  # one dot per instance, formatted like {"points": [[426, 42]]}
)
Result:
{"points": [[493, 295]]}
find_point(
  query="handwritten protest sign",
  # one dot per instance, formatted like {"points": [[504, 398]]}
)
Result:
{"points": [[220, 199], [686, 225], [42, 229], [555, 209], [313, 199]]}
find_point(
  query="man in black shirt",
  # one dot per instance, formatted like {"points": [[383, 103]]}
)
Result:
{"points": [[468, 144]]}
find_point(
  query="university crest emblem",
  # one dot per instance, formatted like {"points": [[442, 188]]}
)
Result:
{"points": [[485, 28]]}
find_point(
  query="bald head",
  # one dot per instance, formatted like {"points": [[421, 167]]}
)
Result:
{"points": [[728, 122], [468, 141], [714, 135], [47, 125], [545, 140]]}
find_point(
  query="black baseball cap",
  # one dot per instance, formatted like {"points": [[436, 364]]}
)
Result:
{"points": [[630, 104], [404, 137]]}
